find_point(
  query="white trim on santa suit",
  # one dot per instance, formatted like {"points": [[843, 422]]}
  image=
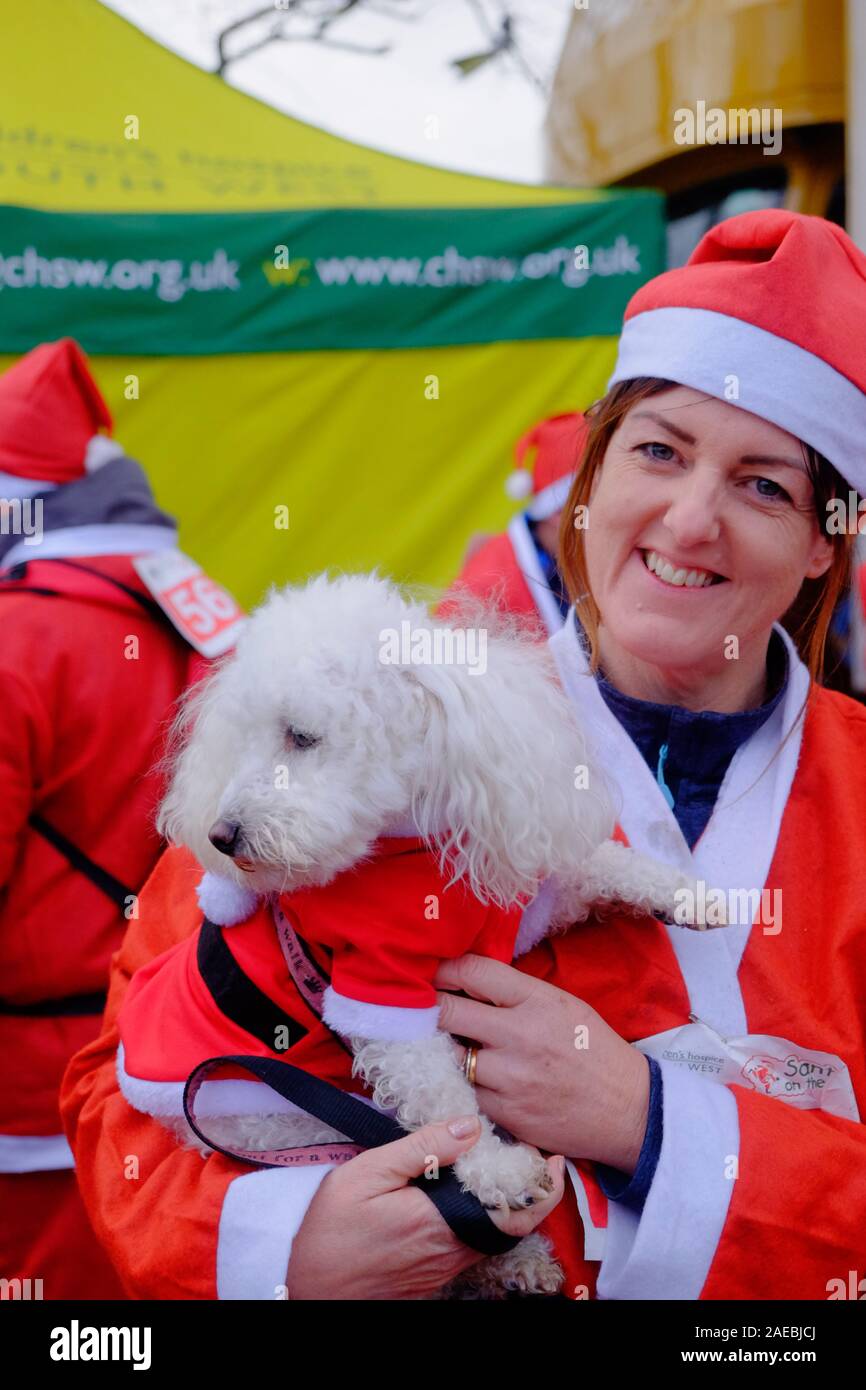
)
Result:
{"points": [[34, 1153], [100, 539], [647, 1256], [530, 567]]}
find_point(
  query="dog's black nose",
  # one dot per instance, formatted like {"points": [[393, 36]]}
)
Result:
{"points": [[224, 835]]}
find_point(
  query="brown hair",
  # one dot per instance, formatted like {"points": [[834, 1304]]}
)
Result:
{"points": [[809, 617]]}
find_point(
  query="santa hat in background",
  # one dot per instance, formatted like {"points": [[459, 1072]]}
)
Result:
{"points": [[558, 444], [51, 417], [768, 314]]}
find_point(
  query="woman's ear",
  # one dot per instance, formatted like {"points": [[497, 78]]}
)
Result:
{"points": [[820, 558]]}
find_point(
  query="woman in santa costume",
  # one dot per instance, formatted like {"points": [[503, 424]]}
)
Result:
{"points": [[708, 1087], [516, 570], [90, 667]]}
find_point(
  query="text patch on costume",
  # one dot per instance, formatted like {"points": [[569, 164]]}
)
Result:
{"points": [[775, 1067], [204, 613]]}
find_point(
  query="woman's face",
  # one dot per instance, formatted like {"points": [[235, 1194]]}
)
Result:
{"points": [[712, 489]]}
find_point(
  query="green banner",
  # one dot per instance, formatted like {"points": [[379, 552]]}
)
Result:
{"points": [[171, 284]]}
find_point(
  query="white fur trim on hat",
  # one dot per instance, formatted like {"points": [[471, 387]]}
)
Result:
{"points": [[755, 370], [382, 1022], [519, 484], [224, 902], [550, 499], [100, 451]]}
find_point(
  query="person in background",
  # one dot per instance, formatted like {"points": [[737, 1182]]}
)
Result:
{"points": [[90, 668], [517, 570]]}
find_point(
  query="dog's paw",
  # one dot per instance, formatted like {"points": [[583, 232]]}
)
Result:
{"points": [[530, 1268], [699, 907], [504, 1176]]}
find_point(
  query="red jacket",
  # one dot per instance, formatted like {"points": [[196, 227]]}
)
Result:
{"points": [[88, 680], [505, 572], [167, 1024], [753, 1197]]}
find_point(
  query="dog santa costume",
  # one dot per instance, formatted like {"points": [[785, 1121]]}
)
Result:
{"points": [[760, 1031], [89, 671], [378, 971], [511, 569]]}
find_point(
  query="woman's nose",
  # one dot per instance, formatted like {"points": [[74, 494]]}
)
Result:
{"points": [[693, 513]]}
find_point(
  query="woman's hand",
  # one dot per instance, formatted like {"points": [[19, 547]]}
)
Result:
{"points": [[368, 1235], [549, 1069]]}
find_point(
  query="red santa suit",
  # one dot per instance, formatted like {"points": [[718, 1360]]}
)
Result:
{"points": [[507, 569], [768, 1182], [759, 1029], [89, 672]]}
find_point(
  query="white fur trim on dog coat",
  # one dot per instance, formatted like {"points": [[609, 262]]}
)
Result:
{"points": [[384, 1022], [224, 902]]}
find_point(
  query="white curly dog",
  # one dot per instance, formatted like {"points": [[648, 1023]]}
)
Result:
{"points": [[486, 761]]}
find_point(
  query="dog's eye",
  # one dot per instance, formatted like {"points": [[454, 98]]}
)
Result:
{"points": [[296, 738]]}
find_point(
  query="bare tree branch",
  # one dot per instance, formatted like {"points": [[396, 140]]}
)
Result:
{"points": [[503, 41], [322, 16], [222, 58]]}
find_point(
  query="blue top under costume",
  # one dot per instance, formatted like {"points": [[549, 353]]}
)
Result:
{"points": [[552, 577], [689, 755]]}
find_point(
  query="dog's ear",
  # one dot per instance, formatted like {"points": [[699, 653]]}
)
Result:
{"points": [[195, 767], [506, 791]]}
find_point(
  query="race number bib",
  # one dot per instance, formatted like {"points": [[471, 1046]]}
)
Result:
{"points": [[205, 614], [803, 1077]]}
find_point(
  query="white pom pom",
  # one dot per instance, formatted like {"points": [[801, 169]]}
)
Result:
{"points": [[100, 451], [519, 484], [224, 902]]}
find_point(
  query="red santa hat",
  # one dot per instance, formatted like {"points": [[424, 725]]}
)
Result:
{"points": [[768, 314], [558, 443], [51, 417]]}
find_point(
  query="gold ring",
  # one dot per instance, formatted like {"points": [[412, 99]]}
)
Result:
{"points": [[470, 1062]]}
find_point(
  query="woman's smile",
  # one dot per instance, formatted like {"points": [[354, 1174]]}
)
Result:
{"points": [[665, 572], [702, 530]]}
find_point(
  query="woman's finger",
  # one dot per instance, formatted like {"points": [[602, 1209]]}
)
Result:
{"points": [[490, 980], [390, 1166], [490, 1072], [466, 1018]]}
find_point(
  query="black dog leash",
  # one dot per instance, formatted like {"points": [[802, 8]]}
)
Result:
{"points": [[365, 1127]]}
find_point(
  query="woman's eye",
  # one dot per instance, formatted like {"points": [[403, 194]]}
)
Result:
{"points": [[296, 738], [650, 451], [779, 494]]}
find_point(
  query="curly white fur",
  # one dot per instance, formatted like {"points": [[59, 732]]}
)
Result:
{"points": [[485, 764], [468, 755]]}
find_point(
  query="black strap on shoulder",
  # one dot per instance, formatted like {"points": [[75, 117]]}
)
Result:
{"points": [[236, 996], [112, 887], [148, 604], [6, 588], [99, 877], [462, 1211], [70, 1006]]}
